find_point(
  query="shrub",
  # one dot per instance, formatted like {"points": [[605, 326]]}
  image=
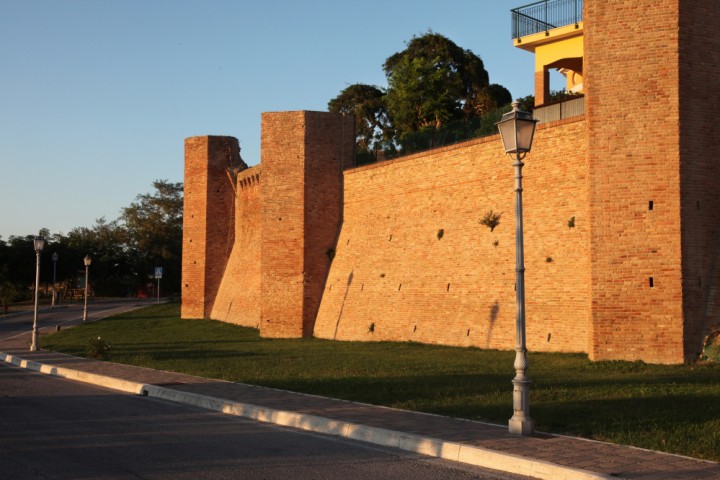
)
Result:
{"points": [[99, 348]]}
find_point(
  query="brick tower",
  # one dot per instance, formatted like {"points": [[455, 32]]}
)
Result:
{"points": [[653, 203], [208, 219], [303, 157]]}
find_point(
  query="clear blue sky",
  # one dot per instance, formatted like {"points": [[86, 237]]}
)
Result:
{"points": [[97, 96]]}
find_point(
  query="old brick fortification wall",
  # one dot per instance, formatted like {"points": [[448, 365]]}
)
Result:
{"points": [[303, 156], [208, 220], [699, 143], [238, 298], [631, 82], [652, 199], [396, 277], [637, 276]]}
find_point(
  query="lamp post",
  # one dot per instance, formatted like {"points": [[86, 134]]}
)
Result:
{"points": [[38, 243], [87, 261], [54, 259], [517, 129]]}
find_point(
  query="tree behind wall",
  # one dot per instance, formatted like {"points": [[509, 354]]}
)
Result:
{"points": [[438, 93], [372, 126]]}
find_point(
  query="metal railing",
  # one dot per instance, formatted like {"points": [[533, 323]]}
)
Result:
{"points": [[560, 110], [545, 15]]}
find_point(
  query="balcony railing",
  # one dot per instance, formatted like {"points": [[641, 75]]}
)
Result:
{"points": [[545, 15], [560, 110]]}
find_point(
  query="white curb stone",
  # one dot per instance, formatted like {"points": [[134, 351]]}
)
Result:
{"points": [[433, 447]]}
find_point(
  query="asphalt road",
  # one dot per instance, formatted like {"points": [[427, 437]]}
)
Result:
{"points": [[53, 428], [20, 323]]}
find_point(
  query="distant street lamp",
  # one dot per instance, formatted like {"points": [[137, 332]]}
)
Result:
{"points": [[54, 259], [87, 261], [38, 243], [517, 129]]}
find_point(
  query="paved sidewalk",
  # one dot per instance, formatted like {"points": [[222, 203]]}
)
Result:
{"points": [[541, 455]]}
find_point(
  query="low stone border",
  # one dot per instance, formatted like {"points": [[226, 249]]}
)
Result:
{"points": [[433, 447]]}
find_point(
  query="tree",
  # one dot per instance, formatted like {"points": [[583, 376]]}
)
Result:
{"points": [[491, 98], [153, 231], [420, 95], [111, 270], [434, 85], [437, 93], [124, 252], [367, 104], [17, 272]]}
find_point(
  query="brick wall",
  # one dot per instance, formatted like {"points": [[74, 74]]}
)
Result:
{"points": [[238, 299], [699, 169], [632, 107], [414, 263], [303, 154], [208, 220], [330, 146], [622, 231]]}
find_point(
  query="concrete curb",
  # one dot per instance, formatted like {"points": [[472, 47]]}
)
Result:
{"points": [[86, 377], [433, 447]]}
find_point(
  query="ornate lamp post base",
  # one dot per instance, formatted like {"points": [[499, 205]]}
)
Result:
{"points": [[521, 427], [521, 423]]}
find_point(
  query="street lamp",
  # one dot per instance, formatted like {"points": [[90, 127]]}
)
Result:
{"points": [[87, 261], [54, 259], [517, 129], [38, 243]]}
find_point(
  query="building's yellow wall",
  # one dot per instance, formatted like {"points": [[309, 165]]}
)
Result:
{"points": [[550, 53], [560, 48]]}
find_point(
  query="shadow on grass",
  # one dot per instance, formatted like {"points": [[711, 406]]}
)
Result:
{"points": [[625, 402], [682, 423], [630, 413], [173, 352]]}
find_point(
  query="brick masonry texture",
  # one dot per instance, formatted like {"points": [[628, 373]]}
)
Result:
{"points": [[414, 263], [622, 237], [238, 298], [303, 155], [699, 55], [652, 192], [208, 221], [630, 166]]}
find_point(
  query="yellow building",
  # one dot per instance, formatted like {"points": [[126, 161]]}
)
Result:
{"points": [[553, 31]]}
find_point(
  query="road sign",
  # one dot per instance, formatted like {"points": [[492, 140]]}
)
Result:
{"points": [[158, 272]]}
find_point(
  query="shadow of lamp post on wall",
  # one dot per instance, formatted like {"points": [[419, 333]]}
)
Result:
{"points": [[38, 244], [517, 129], [87, 260]]}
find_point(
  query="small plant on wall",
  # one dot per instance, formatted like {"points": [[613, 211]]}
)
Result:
{"points": [[491, 220]]}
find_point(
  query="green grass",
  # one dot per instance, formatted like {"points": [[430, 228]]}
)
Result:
{"points": [[669, 408]]}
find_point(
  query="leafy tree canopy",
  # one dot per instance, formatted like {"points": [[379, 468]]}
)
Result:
{"points": [[153, 229], [124, 252], [437, 92], [367, 104]]}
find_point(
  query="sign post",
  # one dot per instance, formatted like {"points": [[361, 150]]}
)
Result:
{"points": [[158, 276]]}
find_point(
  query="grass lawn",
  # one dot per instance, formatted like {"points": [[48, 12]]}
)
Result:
{"points": [[670, 408]]}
